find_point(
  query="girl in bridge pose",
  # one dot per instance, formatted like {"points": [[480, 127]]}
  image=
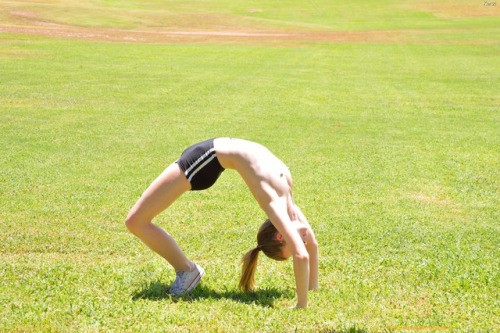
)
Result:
{"points": [[286, 233]]}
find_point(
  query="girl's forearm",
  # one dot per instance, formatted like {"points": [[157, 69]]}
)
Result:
{"points": [[301, 270], [313, 268]]}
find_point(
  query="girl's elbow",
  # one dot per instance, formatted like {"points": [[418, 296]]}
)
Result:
{"points": [[302, 257]]}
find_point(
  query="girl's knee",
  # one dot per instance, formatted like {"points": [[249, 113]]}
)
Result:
{"points": [[133, 223]]}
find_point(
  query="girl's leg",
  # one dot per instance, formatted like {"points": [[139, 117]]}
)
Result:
{"points": [[158, 197]]}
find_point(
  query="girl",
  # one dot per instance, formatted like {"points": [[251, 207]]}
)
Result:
{"points": [[285, 234]]}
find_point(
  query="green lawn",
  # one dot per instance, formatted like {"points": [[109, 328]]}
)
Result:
{"points": [[394, 150]]}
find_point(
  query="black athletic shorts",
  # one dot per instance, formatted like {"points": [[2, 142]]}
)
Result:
{"points": [[200, 165]]}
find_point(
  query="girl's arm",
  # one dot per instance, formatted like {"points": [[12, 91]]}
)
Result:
{"points": [[312, 249], [278, 214]]}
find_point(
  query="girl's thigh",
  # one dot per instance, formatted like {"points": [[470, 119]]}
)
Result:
{"points": [[164, 190]]}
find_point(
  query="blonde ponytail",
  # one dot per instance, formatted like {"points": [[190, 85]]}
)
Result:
{"points": [[267, 243], [247, 281]]}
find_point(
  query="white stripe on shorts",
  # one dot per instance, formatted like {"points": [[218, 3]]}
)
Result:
{"points": [[199, 160], [201, 167]]}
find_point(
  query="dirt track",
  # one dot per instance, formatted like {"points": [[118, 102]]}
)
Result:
{"points": [[31, 26]]}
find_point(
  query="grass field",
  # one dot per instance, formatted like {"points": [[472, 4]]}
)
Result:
{"points": [[394, 147]]}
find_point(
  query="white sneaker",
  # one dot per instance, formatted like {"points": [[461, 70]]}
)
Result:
{"points": [[186, 281]]}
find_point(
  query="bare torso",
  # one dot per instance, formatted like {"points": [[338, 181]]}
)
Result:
{"points": [[268, 178]]}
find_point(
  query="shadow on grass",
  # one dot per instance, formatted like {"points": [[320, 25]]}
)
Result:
{"points": [[353, 329], [265, 297]]}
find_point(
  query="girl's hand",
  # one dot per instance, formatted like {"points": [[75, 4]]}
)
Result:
{"points": [[298, 306]]}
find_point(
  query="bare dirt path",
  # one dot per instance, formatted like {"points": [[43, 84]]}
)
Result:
{"points": [[31, 26]]}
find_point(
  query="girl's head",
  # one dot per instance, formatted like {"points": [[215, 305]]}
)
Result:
{"points": [[269, 242]]}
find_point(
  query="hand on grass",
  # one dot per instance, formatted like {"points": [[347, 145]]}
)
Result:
{"points": [[297, 307]]}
